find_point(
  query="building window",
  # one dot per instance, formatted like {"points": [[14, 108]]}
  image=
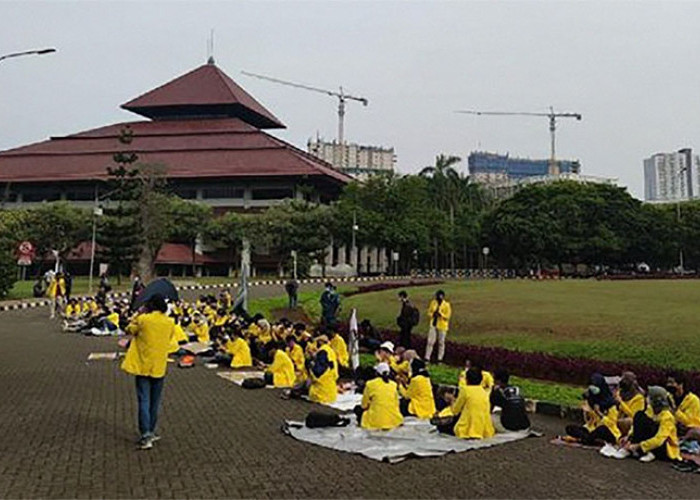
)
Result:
{"points": [[185, 192], [83, 193], [222, 192], [272, 193]]}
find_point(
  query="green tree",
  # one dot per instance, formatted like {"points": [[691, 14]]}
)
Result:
{"points": [[190, 222]]}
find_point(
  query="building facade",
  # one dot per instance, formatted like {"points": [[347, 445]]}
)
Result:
{"points": [[487, 168], [672, 176], [358, 161]]}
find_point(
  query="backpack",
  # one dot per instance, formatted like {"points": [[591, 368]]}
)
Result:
{"points": [[316, 419], [186, 361], [253, 383]]}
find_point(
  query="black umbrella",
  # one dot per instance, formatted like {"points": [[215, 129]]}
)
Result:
{"points": [[161, 286]]}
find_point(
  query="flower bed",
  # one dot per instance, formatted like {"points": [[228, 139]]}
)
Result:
{"points": [[543, 366], [378, 287]]}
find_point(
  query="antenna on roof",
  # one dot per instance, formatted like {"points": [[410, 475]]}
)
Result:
{"points": [[210, 48]]}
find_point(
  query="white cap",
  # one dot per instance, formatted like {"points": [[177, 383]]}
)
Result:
{"points": [[388, 346], [383, 369]]}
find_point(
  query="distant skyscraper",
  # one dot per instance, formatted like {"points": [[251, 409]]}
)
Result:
{"points": [[354, 159], [492, 168], [672, 176]]}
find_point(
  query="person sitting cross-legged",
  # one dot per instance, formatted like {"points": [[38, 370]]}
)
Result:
{"points": [[380, 402], [473, 409], [417, 397], [600, 415], [281, 372]]}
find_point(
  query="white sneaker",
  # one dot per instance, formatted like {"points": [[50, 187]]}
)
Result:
{"points": [[649, 457], [621, 454], [608, 450]]}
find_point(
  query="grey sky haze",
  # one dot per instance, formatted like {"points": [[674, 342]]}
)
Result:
{"points": [[629, 67]]}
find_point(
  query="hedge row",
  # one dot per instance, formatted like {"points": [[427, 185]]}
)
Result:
{"points": [[378, 287]]}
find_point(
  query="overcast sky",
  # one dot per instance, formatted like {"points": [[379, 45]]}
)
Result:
{"points": [[630, 68]]}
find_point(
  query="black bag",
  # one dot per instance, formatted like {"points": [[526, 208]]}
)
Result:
{"points": [[253, 383], [317, 419]]}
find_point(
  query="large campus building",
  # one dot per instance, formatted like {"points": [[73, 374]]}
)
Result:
{"points": [[488, 168], [210, 136], [672, 176]]}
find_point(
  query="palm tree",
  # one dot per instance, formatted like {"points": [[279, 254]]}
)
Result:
{"points": [[447, 188]]}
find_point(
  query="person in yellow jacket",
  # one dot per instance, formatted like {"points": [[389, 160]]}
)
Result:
{"points": [[281, 372], [147, 359], [600, 415], [296, 354], [239, 350], [653, 438], [630, 400], [323, 373], [439, 313], [200, 328], [687, 404], [487, 381], [180, 337], [418, 399], [474, 410], [380, 402], [57, 292], [340, 348]]}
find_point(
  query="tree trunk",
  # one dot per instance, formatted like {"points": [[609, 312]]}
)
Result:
{"points": [[145, 265]]}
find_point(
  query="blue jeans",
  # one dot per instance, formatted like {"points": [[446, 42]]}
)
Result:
{"points": [[148, 392]]}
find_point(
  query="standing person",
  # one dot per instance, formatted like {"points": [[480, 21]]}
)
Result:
{"points": [[439, 312], [330, 305], [407, 319], [147, 359], [136, 289], [56, 291], [68, 277], [292, 289]]}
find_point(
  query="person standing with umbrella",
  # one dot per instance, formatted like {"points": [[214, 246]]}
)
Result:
{"points": [[147, 359]]}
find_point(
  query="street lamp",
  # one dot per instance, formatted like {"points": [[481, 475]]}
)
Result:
{"points": [[680, 173], [39, 52]]}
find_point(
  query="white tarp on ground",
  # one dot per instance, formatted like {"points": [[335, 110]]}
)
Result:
{"points": [[237, 377], [415, 438], [345, 401]]}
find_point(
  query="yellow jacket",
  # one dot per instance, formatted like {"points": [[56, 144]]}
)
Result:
{"points": [[380, 400], [420, 395], [282, 369], [666, 434], [56, 287], [296, 354], [341, 350], [632, 406], [609, 420], [201, 331], [688, 412], [240, 350], [486, 381], [474, 410], [324, 389], [444, 313], [148, 352], [178, 337]]}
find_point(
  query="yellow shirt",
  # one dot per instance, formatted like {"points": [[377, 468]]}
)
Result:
{"points": [[72, 311], [667, 434], [688, 412], [474, 410], [420, 395], [148, 352], [282, 369], [341, 350], [609, 420], [201, 331], [402, 369], [486, 381], [240, 350], [178, 337], [380, 400], [324, 389], [444, 313], [113, 318], [632, 406]]}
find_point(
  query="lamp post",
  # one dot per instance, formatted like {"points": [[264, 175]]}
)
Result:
{"points": [[38, 52], [681, 171], [96, 212]]}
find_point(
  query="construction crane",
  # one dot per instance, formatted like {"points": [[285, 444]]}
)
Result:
{"points": [[553, 166], [341, 95]]}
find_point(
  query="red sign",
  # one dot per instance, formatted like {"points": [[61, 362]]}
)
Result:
{"points": [[25, 252]]}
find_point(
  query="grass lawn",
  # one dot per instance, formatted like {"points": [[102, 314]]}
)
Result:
{"points": [[568, 395], [652, 322]]}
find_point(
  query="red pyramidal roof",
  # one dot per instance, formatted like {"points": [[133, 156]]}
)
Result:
{"points": [[205, 92]]}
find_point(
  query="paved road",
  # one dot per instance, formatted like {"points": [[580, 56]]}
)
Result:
{"points": [[68, 428]]}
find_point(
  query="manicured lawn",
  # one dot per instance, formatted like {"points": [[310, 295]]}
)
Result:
{"points": [[568, 395], [651, 322]]}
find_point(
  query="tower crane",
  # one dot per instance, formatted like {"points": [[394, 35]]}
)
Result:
{"points": [[553, 167], [341, 95]]}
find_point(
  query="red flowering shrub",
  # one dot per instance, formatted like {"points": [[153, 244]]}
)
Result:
{"points": [[378, 287]]}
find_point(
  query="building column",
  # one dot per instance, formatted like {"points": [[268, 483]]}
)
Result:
{"points": [[329, 256], [363, 260], [382, 260], [373, 254], [341, 255]]}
